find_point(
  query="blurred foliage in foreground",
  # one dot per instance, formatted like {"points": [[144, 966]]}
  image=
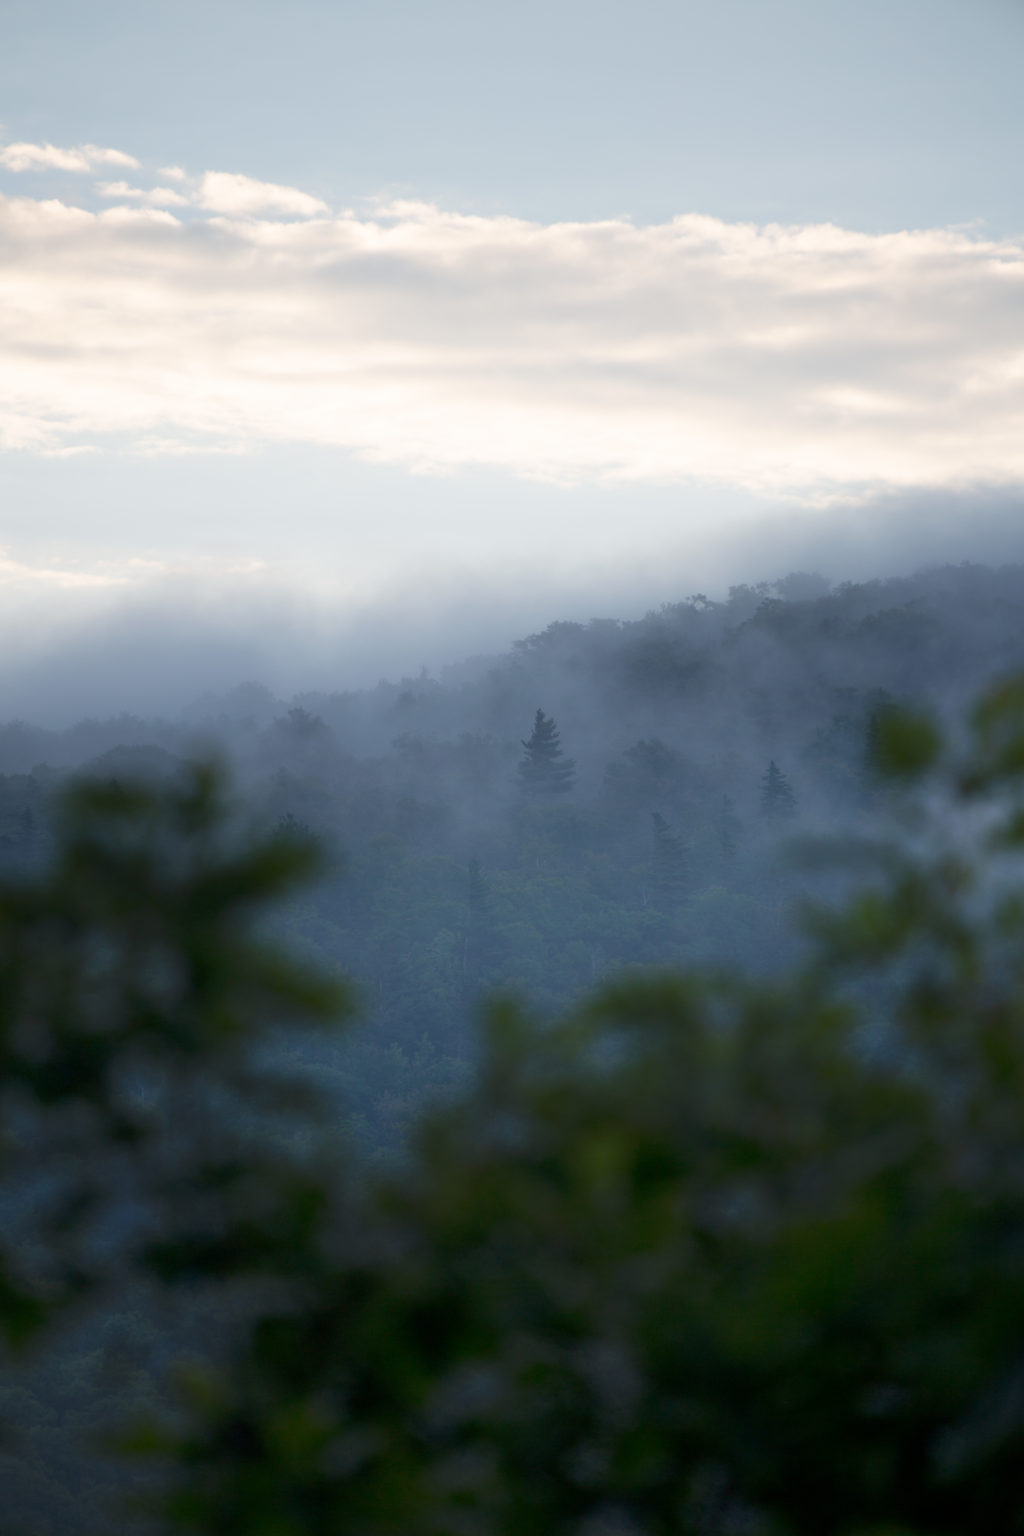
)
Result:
{"points": [[703, 1257]]}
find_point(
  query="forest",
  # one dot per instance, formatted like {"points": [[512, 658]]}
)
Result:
{"points": [[696, 744], [627, 1195]]}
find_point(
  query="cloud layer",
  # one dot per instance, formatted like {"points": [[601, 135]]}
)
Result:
{"points": [[779, 359]]}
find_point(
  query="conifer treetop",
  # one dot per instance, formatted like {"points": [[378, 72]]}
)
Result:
{"points": [[544, 769], [778, 802]]}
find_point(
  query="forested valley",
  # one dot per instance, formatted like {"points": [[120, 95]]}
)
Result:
{"points": [[463, 857], [630, 811]]}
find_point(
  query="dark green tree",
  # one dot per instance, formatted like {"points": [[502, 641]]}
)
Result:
{"points": [[883, 712], [544, 770], [778, 802], [136, 993]]}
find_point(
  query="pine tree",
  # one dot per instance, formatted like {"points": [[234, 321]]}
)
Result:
{"points": [[544, 770], [778, 802], [669, 872]]}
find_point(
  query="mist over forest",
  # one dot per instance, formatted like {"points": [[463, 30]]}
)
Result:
{"points": [[511, 768], [606, 800], [690, 746]]}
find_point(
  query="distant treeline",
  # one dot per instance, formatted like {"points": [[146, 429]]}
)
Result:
{"points": [[606, 796]]}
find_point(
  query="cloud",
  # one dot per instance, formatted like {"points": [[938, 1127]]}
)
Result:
{"points": [[156, 197], [225, 192], [98, 156], [48, 157], [22, 574], [811, 360]]}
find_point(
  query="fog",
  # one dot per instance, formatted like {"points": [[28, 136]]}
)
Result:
{"points": [[713, 694], [699, 729], [519, 462], [151, 640]]}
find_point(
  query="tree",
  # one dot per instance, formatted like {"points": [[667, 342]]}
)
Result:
{"points": [[703, 1256], [543, 770], [778, 802], [135, 986], [695, 1259]]}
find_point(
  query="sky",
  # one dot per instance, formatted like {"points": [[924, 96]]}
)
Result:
{"points": [[340, 338]]}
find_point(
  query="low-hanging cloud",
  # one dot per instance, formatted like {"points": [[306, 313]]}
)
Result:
{"points": [[138, 635], [806, 359]]}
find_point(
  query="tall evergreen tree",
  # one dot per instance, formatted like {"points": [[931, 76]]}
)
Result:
{"points": [[778, 801], [545, 770], [668, 876]]}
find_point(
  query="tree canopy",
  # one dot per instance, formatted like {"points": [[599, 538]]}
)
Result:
{"points": [[704, 1256]]}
